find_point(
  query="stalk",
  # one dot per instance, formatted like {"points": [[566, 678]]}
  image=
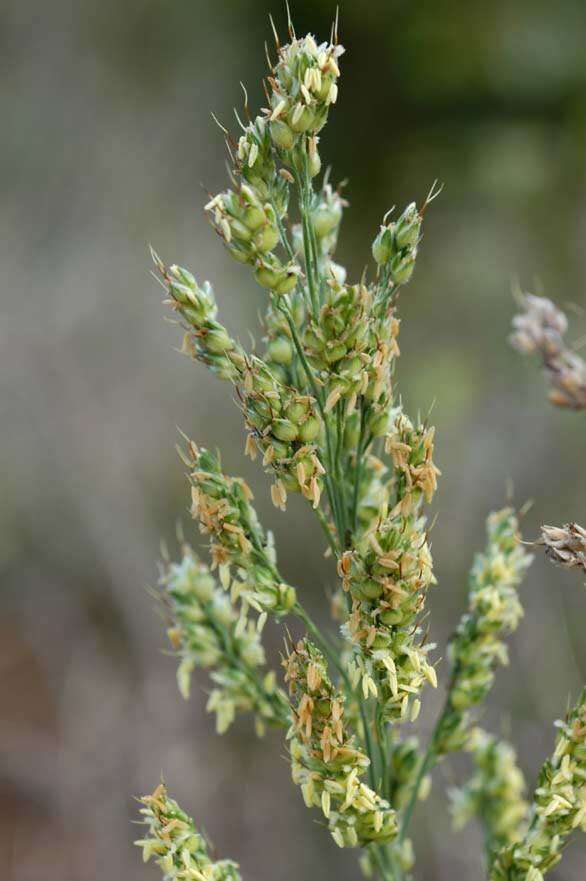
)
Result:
{"points": [[360, 450], [330, 490]]}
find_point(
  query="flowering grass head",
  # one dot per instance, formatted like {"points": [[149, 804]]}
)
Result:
{"points": [[321, 413]]}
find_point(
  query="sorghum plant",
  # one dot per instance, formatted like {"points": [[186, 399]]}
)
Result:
{"points": [[321, 412]]}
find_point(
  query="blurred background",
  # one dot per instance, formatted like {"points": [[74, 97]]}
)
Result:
{"points": [[106, 142]]}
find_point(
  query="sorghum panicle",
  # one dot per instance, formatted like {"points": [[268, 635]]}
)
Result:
{"points": [[319, 405]]}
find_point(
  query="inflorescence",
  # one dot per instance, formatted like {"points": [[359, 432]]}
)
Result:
{"points": [[320, 408]]}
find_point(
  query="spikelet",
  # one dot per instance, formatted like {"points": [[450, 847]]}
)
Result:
{"points": [[565, 545], [303, 86]]}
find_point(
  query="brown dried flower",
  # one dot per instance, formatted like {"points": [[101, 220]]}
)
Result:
{"points": [[565, 545], [540, 328]]}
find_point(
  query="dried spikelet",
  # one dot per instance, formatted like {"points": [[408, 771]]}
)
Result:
{"points": [[565, 545], [540, 329]]}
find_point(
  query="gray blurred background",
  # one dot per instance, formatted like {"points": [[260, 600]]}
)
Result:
{"points": [[106, 141]]}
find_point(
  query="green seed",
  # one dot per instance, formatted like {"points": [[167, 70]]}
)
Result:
{"points": [[284, 430]]}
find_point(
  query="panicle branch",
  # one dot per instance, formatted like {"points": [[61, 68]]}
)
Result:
{"points": [[494, 793], [559, 805], [387, 575], [207, 631], [241, 551], [325, 761], [395, 248], [178, 848], [282, 423], [205, 340], [494, 610]]}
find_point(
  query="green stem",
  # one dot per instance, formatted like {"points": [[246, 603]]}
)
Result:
{"points": [[429, 759], [345, 538], [381, 735], [304, 209], [368, 743], [322, 642], [312, 263], [287, 244], [327, 532], [315, 255], [358, 469], [428, 762], [282, 232], [385, 864], [330, 488], [396, 871], [285, 310], [304, 187]]}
